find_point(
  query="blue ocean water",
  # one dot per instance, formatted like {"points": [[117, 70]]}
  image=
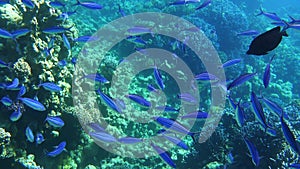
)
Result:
{"points": [[61, 44]]}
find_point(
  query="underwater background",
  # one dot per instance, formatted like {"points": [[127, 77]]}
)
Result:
{"points": [[40, 42]]}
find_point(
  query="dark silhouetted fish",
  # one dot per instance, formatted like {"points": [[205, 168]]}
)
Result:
{"points": [[266, 42]]}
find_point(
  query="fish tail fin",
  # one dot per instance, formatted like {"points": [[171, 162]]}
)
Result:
{"points": [[260, 12], [272, 58], [78, 2], [285, 27], [293, 19]]}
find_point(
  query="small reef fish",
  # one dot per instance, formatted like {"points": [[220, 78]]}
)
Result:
{"points": [[258, 111], [4, 65], [96, 77], [232, 103], [109, 102], [267, 73], [50, 87], [28, 3], [33, 104], [289, 136], [158, 78], [205, 77], [187, 98], [96, 127], [85, 39], [65, 15], [176, 141], [151, 88], [274, 107], [270, 15], [55, 121], [295, 165], [253, 151], [56, 29], [248, 33], [183, 2], [3, 2], [22, 91], [129, 140], [139, 99], [196, 115], [21, 32], [66, 42], [164, 155], [6, 101], [121, 11], [90, 5], [5, 34], [16, 115], [39, 138], [59, 149], [103, 136], [57, 4], [230, 63], [240, 115], [62, 63], [173, 125], [167, 108], [29, 134], [240, 80], [14, 84], [204, 4], [266, 42]]}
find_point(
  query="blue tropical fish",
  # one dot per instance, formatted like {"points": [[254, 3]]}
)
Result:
{"points": [[164, 155], [167, 108], [109, 102], [86, 39], [21, 32], [267, 73], [231, 63], [139, 99], [4, 65], [289, 136], [103, 136], [22, 91], [56, 29], [13, 85], [5, 34], [50, 87], [57, 4], [62, 63], [253, 151], [270, 15], [248, 33], [232, 103], [204, 4], [151, 88], [59, 149], [3, 2], [196, 115], [16, 115], [258, 111], [96, 77], [240, 80], [139, 30], [129, 140], [295, 165], [90, 5], [28, 3], [172, 125], [6, 101], [187, 98], [55, 121], [29, 134], [33, 104], [121, 11], [66, 42], [206, 77], [39, 138], [176, 141], [240, 115], [274, 107], [158, 78], [96, 127]]}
